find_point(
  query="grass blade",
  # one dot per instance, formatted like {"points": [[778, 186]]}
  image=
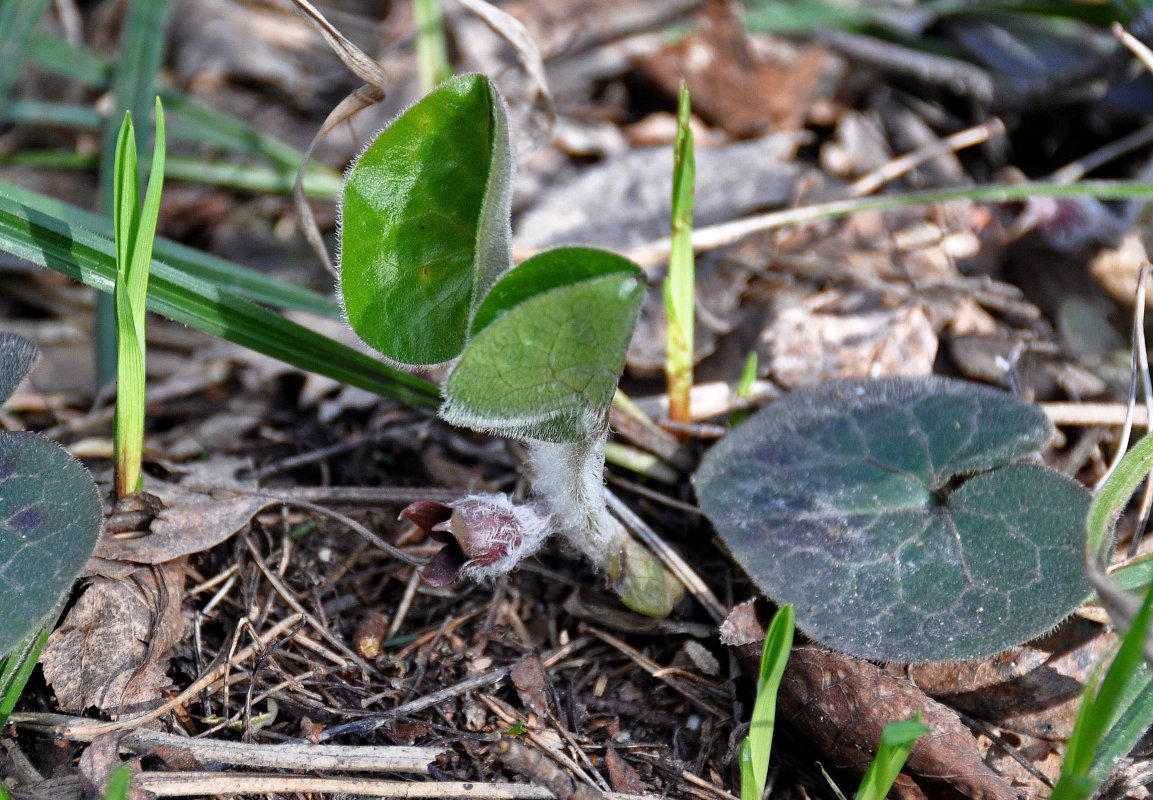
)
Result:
{"points": [[1113, 715], [90, 258], [759, 742], [897, 740], [431, 53], [16, 668], [680, 286], [118, 784], [135, 232], [227, 275]]}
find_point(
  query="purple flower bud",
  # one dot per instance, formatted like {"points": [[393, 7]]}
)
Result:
{"points": [[484, 535]]}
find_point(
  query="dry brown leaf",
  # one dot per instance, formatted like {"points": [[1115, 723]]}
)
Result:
{"points": [[190, 522], [1033, 690], [734, 87], [112, 649], [841, 704], [531, 684], [622, 777]]}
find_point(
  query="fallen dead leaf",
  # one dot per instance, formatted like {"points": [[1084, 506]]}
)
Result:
{"points": [[112, 649], [1034, 690], [531, 684], [840, 704], [191, 521]]}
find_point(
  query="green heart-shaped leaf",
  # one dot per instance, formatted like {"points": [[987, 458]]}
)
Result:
{"points": [[549, 344], [50, 519], [425, 222], [17, 355], [887, 511]]}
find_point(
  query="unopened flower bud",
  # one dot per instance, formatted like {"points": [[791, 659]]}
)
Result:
{"points": [[484, 535]]}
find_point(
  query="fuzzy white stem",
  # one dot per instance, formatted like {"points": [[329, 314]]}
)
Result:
{"points": [[568, 477]]}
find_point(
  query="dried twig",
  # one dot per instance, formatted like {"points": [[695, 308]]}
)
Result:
{"points": [[273, 756]]}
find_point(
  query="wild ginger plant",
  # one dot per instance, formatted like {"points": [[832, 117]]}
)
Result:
{"points": [[427, 278]]}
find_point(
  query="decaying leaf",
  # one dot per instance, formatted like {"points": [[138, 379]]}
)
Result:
{"points": [[112, 649], [1033, 690], [840, 704], [191, 521]]}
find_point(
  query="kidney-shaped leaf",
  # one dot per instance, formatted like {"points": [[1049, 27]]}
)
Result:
{"points": [[49, 521], [889, 513], [549, 343], [17, 355], [425, 222]]}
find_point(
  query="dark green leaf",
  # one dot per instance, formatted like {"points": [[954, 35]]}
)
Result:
{"points": [[17, 355], [552, 344], [881, 510], [425, 223], [50, 519]]}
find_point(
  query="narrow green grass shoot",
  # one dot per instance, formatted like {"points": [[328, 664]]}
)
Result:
{"points": [[135, 227], [133, 87], [16, 668], [680, 285], [431, 52], [897, 740], [1114, 713], [118, 784], [745, 385], [755, 749]]}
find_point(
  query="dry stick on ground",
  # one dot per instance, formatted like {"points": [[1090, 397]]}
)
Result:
{"points": [[384, 546], [346, 758], [369, 724], [712, 236], [1089, 414], [205, 784], [536, 767], [902, 165]]}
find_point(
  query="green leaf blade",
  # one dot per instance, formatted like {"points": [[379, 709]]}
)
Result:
{"points": [[424, 230], [774, 659], [844, 500], [35, 233], [546, 367], [50, 518]]}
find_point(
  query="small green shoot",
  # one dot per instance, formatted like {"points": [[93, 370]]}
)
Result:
{"points": [[135, 230], [1105, 704], [431, 54], [1117, 710], [16, 668], [897, 740], [118, 784], [680, 285], [745, 386], [755, 749]]}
